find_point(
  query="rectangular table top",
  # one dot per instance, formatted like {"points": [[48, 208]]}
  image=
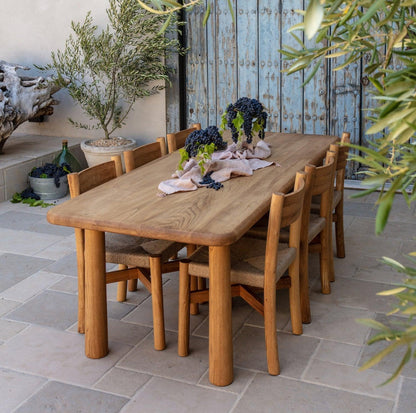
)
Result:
{"points": [[130, 204]]}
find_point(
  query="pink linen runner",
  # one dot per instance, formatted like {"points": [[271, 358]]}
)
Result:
{"points": [[224, 164]]}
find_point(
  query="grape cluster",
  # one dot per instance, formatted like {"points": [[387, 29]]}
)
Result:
{"points": [[203, 137], [50, 170], [250, 109], [28, 193], [209, 182]]}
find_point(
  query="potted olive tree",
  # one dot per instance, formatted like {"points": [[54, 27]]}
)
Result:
{"points": [[106, 71]]}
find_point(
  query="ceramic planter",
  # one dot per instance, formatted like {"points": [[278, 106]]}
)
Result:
{"points": [[99, 154]]}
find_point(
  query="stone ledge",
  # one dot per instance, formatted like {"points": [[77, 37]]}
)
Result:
{"points": [[23, 152]]}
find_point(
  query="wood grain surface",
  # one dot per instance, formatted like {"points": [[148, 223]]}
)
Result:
{"points": [[130, 204]]}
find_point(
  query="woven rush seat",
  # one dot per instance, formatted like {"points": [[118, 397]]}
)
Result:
{"points": [[247, 261], [135, 251]]}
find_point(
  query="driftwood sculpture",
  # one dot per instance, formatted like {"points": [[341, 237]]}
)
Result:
{"points": [[22, 98]]}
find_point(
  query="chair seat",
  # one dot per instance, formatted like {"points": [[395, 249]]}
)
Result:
{"points": [[316, 225], [335, 201], [247, 261], [135, 251]]}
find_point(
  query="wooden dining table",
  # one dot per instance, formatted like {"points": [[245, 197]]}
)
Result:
{"points": [[131, 204]]}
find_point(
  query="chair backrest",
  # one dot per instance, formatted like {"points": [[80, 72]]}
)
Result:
{"points": [[80, 182], [177, 140], [319, 181], [144, 154], [285, 210], [341, 161]]}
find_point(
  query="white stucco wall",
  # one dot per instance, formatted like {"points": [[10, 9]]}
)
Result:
{"points": [[31, 29]]}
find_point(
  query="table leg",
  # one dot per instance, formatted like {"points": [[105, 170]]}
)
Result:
{"points": [[96, 333], [220, 331]]}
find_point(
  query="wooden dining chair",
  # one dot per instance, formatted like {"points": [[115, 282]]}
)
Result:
{"points": [[177, 140], [142, 258], [317, 237], [133, 159], [338, 198], [255, 263]]}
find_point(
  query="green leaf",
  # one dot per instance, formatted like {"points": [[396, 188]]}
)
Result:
{"points": [[394, 291], [206, 15], [389, 119], [383, 212], [379, 356], [313, 18]]}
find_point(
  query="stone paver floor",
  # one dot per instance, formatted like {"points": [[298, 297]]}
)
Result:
{"points": [[43, 367]]}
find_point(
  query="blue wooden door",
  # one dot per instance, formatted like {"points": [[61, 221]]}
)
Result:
{"points": [[227, 61]]}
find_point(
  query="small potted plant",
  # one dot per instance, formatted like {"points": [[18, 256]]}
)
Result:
{"points": [[106, 71], [246, 118]]}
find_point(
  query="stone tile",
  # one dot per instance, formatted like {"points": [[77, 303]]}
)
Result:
{"points": [[358, 209], [61, 397], [15, 268], [126, 333], [256, 319], [30, 286], [407, 397], [373, 246], [66, 284], [9, 329], [337, 323], [349, 378], [67, 265], [240, 313], [396, 230], [167, 363], [338, 352], [25, 242], [133, 297], [389, 363], [50, 308], [294, 351], [7, 305], [240, 381], [19, 220], [57, 355], [162, 395], [346, 292], [121, 381], [59, 250], [118, 310], [16, 387], [143, 313], [268, 393]]}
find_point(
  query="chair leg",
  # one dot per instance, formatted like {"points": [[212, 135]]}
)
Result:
{"points": [[183, 313], [190, 248], [325, 261], [294, 298], [80, 243], [194, 287], [339, 229], [304, 284], [157, 303], [132, 285], [270, 330], [122, 286]]}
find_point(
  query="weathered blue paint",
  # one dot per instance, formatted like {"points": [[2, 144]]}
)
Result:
{"points": [[227, 61]]}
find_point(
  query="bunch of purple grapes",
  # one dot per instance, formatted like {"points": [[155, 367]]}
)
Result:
{"points": [[209, 182], [204, 137], [250, 109], [50, 170]]}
